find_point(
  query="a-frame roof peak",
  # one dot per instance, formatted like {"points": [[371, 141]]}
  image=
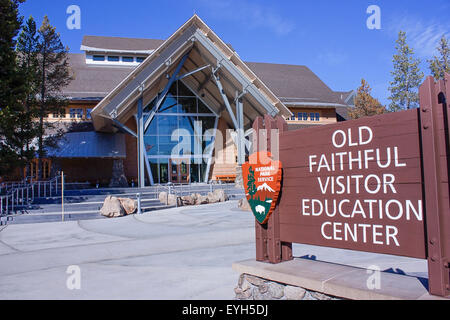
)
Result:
{"points": [[193, 35]]}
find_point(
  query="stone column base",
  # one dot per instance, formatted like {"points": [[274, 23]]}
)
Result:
{"points": [[253, 288]]}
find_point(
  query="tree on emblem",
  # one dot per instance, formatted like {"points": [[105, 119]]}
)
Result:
{"points": [[251, 187]]}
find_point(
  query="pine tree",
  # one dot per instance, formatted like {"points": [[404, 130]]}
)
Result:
{"points": [[365, 104], [441, 65], [407, 77], [27, 52], [14, 121], [53, 75]]}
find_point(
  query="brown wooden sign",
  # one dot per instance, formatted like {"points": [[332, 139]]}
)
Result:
{"points": [[377, 184], [355, 185]]}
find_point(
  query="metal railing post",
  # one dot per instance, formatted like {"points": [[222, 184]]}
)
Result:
{"points": [[62, 196], [139, 210]]}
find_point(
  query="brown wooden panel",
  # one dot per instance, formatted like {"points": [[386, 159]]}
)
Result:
{"points": [[413, 243], [395, 187]]}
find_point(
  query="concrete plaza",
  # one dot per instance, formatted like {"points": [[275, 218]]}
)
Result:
{"points": [[179, 253]]}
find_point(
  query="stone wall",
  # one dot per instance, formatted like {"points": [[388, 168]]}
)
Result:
{"points": [[253, 288]]}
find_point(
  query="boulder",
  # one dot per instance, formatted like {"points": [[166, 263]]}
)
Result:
{"points": [[163, 197], [201, 199], [173, 200], [276, 290], [294, 293], [112, 208], [218, 195], [129, 205], [188, 200], [244, 205]]}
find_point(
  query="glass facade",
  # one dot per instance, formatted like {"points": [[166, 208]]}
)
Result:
{"points": [[175, 139]]}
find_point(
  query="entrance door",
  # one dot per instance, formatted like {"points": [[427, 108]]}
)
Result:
{"points": [[179, 170]]}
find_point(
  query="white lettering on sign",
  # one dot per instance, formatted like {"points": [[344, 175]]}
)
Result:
{"points": [[372, 183]]}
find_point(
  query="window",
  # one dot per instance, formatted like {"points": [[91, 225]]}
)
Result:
{"points": [[178, 130], [317, 116], [140, 59], [305, 116], [76, 113], [88, 113], [113, 58], [293, 117], [60, 114], [312, 116], [127, 59], [98, 58], [300, 116]]}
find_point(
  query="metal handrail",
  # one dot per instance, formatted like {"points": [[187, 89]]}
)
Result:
{"points": [[22, 196]]}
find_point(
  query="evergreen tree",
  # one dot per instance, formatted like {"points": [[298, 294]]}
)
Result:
{"points": [[53, 75], [407, 77], [27, 51], [441, 64], [13, 119], [365, 104]]}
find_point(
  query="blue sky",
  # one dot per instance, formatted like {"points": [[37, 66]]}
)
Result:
{"points": [[328, 36]]}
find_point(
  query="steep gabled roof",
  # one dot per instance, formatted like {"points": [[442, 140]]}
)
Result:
{"points": [[200, 45], [91, 81], [295, 85]]}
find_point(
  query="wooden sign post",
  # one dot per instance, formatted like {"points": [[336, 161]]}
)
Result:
{"points": [[377, 184]]}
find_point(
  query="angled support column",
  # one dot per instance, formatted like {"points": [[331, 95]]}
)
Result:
{"points": [[224, 98], [163, 95], [240, 131], [192, 72], [238, 120], [123, 127], [140, 143], [149, 169]]}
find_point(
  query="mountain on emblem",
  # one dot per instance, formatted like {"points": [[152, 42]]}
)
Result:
{"points": [[265, 187]]}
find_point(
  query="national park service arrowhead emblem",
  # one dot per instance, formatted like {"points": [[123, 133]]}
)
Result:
{"points": [[262, 182]]}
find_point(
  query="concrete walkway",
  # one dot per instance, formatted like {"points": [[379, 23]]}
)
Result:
{"points": [[183, 253], [180, 253]]}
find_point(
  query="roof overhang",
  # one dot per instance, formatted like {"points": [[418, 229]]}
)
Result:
{"points": [[204, 48], [102, 50], [323, 105]]}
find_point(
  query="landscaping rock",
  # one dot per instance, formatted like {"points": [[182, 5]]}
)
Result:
{"points": [[217, 196], [163, 197], [254, 280], [244, 205], [112, 208], [188, 200], [129, 205], [258, 295], [294, 293], [276, 290], [173, 200], [201, 200]]}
